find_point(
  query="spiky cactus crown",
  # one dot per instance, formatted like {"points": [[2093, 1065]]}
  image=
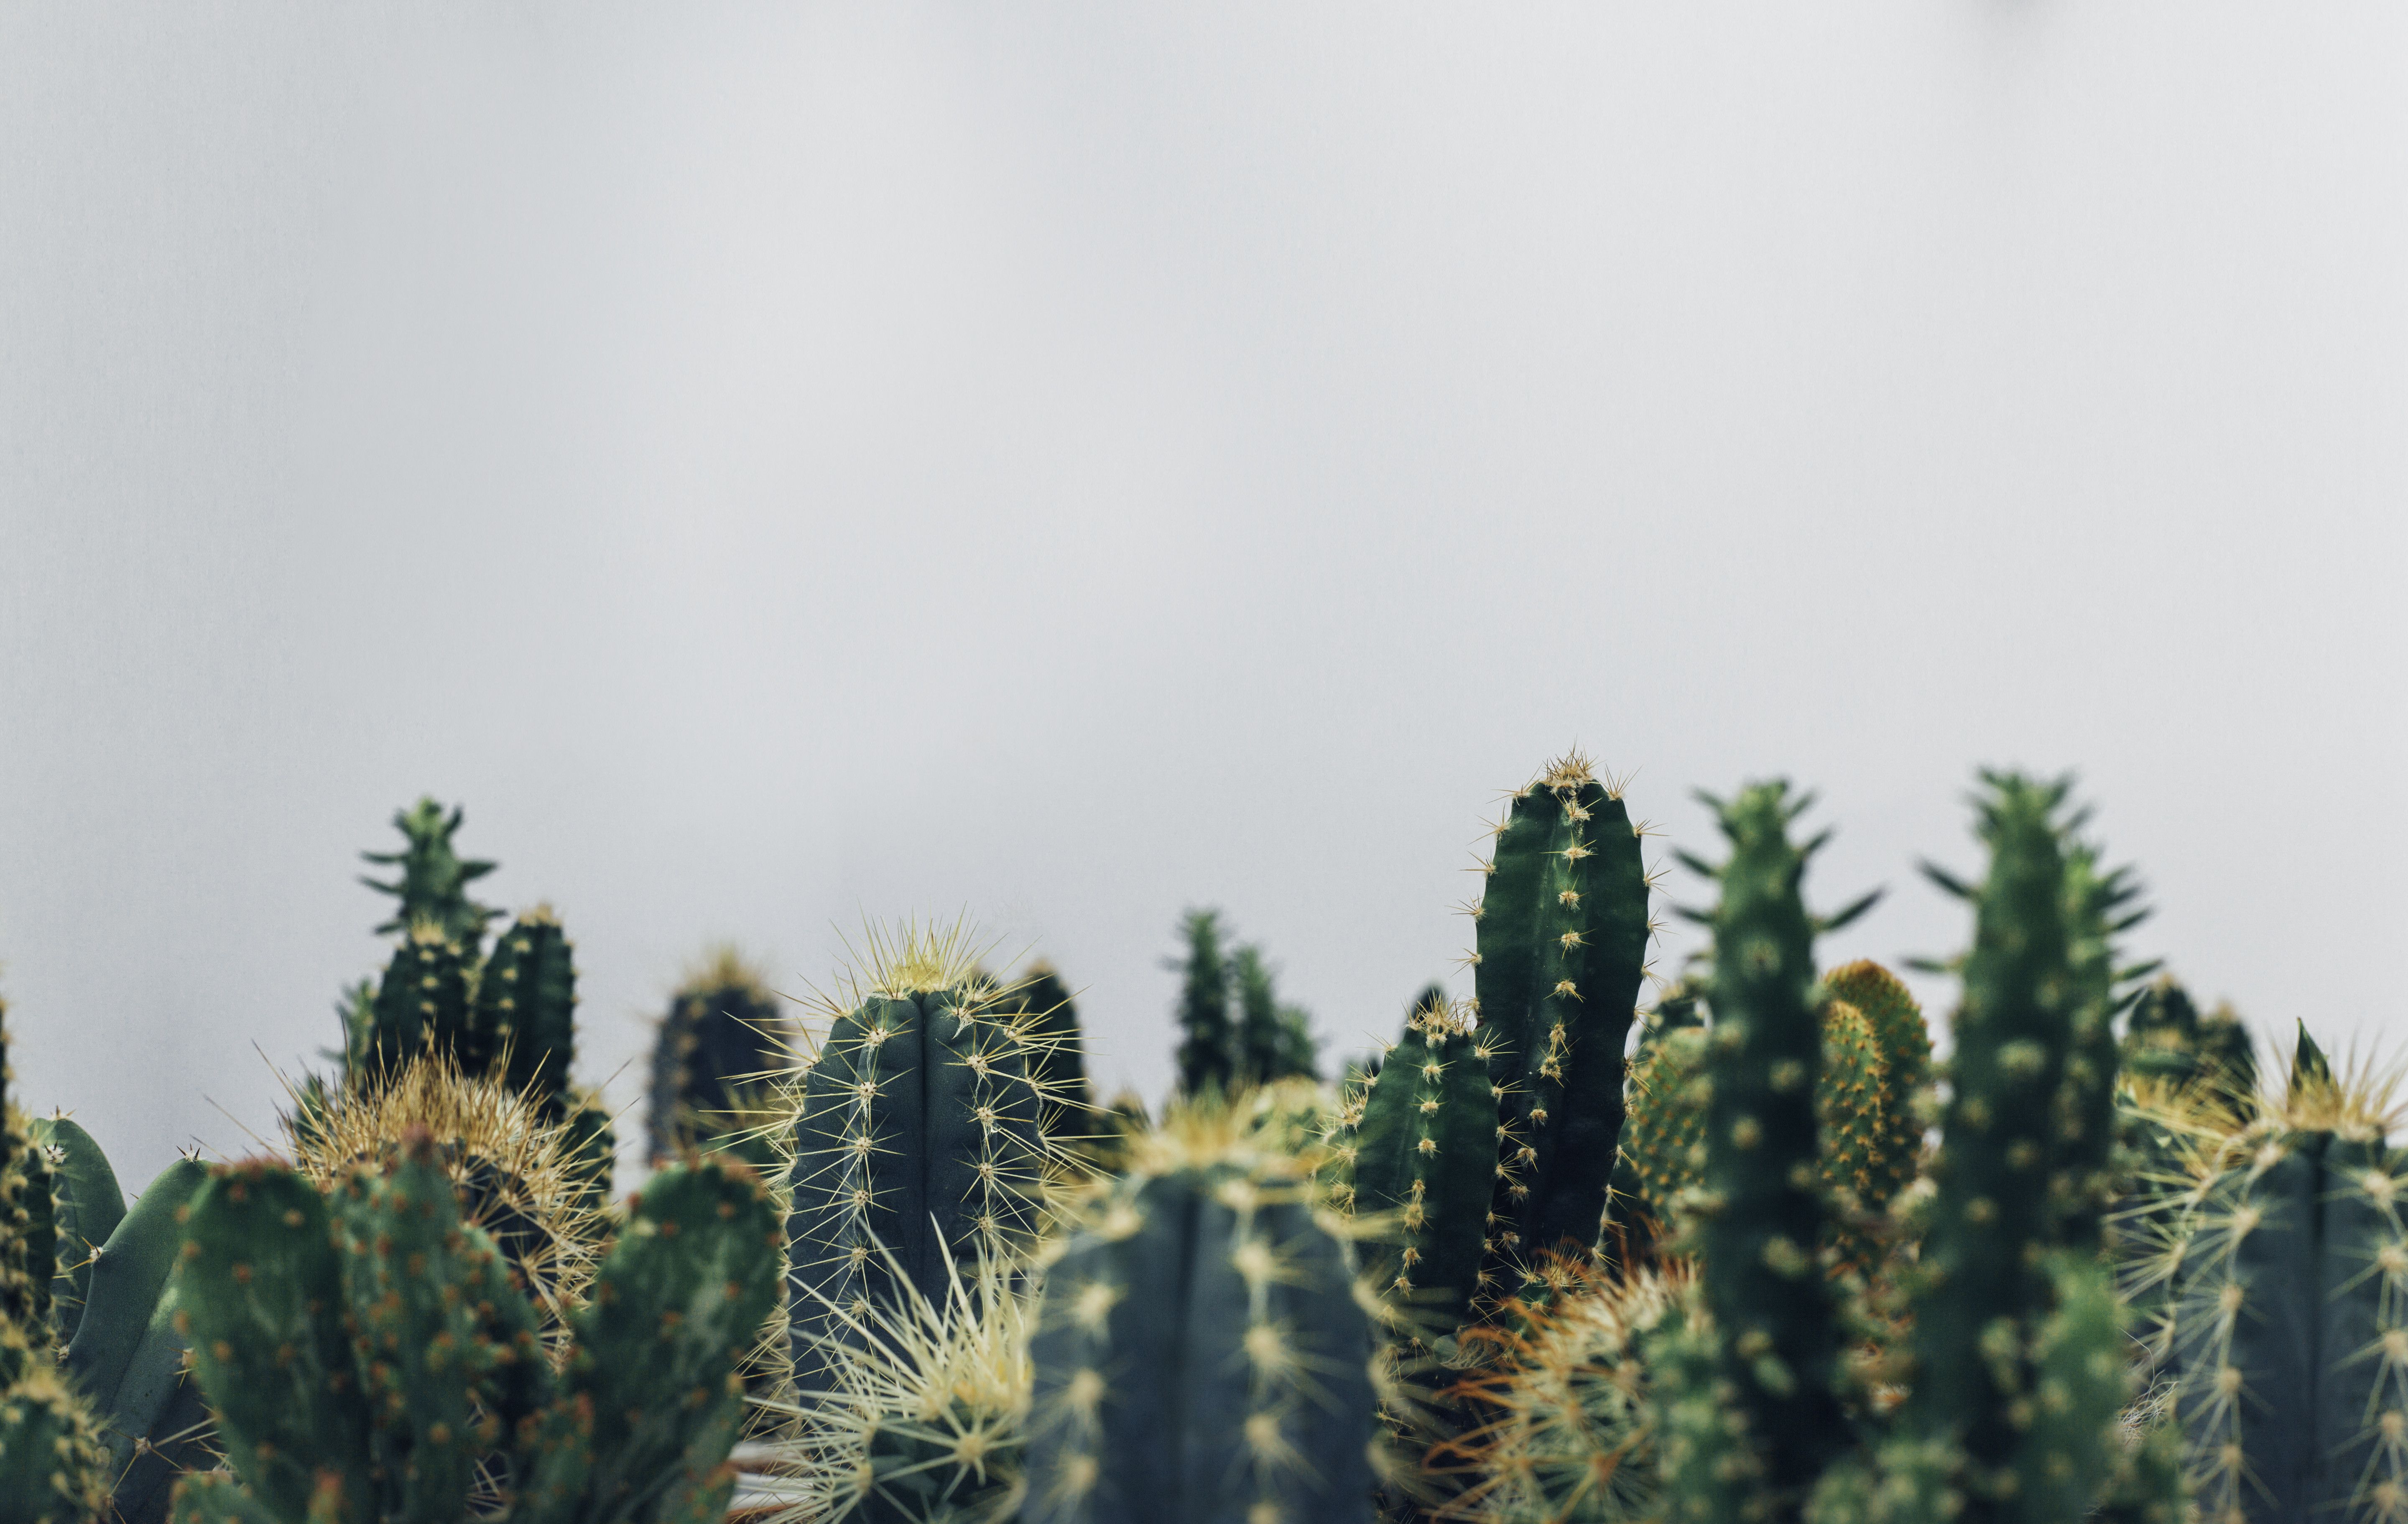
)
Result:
{"points": [[515, 1172]]}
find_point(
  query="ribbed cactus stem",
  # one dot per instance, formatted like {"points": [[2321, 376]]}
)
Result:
{"points": [[526, 1017], [1562, 945]]}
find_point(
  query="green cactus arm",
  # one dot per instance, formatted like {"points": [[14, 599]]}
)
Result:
{"points": [[53, 1467], [1562, 941], [217, 1498], [87, 1204], [1663, 1151], [2069, 1449], [420, 1344], [1762, 1219], [259, 1293], [675, 1310], [527, 1009], [1849, 1091], [1994, 1211], [1425, 1158], [127, 1355], [1905, 1040]]}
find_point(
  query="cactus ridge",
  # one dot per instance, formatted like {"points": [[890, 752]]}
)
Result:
{"points": [[1201, 1354], [1563, 932]]}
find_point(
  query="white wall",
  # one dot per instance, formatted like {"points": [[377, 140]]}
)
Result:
{"points": [[783, 463]]}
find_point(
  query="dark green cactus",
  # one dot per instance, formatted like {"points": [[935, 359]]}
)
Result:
{"points": [[421, 1004], [1762, 1217], [721, 1046], [1200, 1357], [370, 1362], [525, 1019], [918, 1146], [1563, 935], [2285, 1334], [1061, 1052], [1207, 1042], [1415, 1149], [2167, 1040], [433, 885]]}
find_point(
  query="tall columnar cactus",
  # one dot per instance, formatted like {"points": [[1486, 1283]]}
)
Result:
{"points": [[2285, 1330], [1562, 946], [721, 1050], [918, 1143], [371, 1363], [423, 1004], [1200, 1356], [525, 1019], [1761, 1217], [1415, 1149], [1207, 1042], [433, 885]]}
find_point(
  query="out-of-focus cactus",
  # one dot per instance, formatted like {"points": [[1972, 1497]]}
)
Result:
{"points": [[1416, 1147], [524, 1021], [1563, 933], [1760, 1216], [1275, 1041], [2285, 1331], [1201, 1356], [86, 1205], [2167, 1040], [1061, 1053], [433, 885], [421, 1004], [720, 1053], [1207, 1042], [516, 1172], [371, 1365], [1904, 1041], [919, 1141]]}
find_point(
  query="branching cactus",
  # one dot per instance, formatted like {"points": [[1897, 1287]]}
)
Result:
{"points": [[918, 1143], [1562, 946], [721, 1049], [1201, 1357], [432, 884], [1414, 1151], [2286, 1326], [372, 1363]]}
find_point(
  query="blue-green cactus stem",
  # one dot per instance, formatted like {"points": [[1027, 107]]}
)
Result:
{"points": [[86, 1205], [526, 1011], [1200, 1357], [1563, 935], [260, 1296], [1762, 1217], [433, 885], [918, 1147], [129, 1358]]}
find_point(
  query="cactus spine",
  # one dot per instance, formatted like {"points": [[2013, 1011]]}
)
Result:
{"points": [[370, 1360], [1200, 1357], [918, 1143], [1562, 945]]}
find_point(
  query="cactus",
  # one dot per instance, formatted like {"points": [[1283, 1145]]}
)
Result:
{"points": [[1904, 1039], [1206, 1056], [1200, 1356], [926, 1417], [370, 1364], [525, 1019], [918, 1141], [1562, 932], [433, 887], [1416, 1148], [516, 1172], [2286, 1328], [1569, 1430], [2167, 1040], [86, 1205], [1061, 1055], [1759, 1218], [423, 1004], [721, 1046]]}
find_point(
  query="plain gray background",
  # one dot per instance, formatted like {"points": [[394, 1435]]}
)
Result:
{"points": [[785, 464]]}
